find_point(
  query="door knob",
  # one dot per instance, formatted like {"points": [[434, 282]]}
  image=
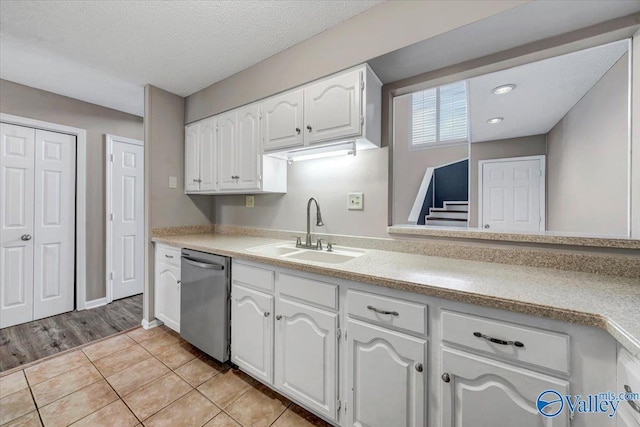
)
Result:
{"points": [[26, 237]]}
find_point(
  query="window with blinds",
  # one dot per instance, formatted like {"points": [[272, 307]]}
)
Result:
{"points": [[439, 115]]}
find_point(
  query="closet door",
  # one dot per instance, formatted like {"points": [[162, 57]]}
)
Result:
{"points": [[54, 227], [16, 228]]}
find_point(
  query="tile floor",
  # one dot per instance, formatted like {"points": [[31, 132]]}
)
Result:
{"points": [[144, 377]]}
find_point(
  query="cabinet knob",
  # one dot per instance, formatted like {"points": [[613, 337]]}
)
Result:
{"points": [[267, 314], [195, 179], [445, 377], [298, 131], [487, 226], [279, 316], [309, 128], [178, 281], [631, 403], [26, 237], [419, 367]]}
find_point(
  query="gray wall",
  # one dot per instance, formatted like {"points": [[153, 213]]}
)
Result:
{"points": [[329, 180], [500, 149], [409, 166], [379, 30], [37, 104], [587, 155]]}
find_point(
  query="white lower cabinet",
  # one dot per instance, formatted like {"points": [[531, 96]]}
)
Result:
{"points": [[167, 286], [386, 375], [306, 355], [252, 331], [485, 393]]}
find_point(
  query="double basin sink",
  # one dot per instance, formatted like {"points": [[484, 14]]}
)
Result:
{"points": [[290, 251]]}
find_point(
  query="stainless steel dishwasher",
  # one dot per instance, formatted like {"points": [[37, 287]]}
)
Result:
{"points": [[204, 302]]}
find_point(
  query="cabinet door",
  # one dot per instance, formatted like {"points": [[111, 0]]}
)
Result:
{"points": [[306, 355], [332, 108], [481, 391], [252, 331], [191, 155], [167, 295], [208, 154], [227, 156], [248, 148], [386, 375], [282, 125]]}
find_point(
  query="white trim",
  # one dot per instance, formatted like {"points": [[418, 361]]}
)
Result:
{"points": [[99, 302], [81, 195], [543, 186], [109, 140], [630, 230], [152, 324]]}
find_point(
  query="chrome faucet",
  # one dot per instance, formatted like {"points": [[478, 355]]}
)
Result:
{"points": [[307, 244]]}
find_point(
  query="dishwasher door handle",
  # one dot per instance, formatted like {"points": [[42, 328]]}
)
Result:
{"points": [[206, 265]]}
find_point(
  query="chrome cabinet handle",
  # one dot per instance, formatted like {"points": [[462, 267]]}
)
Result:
{"points": [[445, 377], [168, 256], [377, 310], [279, 316], [309, 128], [632, 403], [298, 131], [267, 314], [497, 340], [419, 367], [26, 237]]}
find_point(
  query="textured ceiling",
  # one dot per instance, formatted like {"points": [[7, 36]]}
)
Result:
{"points": [[106, 51], [546, 90]]}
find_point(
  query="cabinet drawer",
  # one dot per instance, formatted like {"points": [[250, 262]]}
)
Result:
{"points": [[629, 382], [168, 255], [255, 277], [542, 348], [405, 315], [312, 291]]}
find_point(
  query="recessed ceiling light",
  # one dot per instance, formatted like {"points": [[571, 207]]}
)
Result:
{"points": [[495, 120], [501, 90]]}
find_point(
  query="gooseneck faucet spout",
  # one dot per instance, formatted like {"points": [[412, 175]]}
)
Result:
{"points": [[319, 222]]}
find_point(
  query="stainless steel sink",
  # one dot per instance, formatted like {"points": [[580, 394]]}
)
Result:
{"points": [[288, 250]]}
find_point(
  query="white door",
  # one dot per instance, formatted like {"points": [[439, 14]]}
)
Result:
{"points": [[481, 391], [167, 295], [227, 157], [208, 179], [386, 376], [512, 195], [306, 355], [282, 124], [127, 221], [191, 156], [54, 224], [332, 108], [252, 331], [16, 233], [248, 150]]}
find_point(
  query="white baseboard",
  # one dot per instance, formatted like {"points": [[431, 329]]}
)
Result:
{"points": [[148, 325], [95, 303]]}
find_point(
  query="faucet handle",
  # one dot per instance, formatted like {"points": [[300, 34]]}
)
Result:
{"points": [[329, 247], [319, 244], [298, 242]]}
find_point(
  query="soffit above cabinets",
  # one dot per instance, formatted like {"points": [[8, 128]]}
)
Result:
{"points": [[104, 52]]}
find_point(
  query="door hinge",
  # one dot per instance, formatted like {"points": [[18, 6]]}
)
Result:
{"points": [[362, 85], [345, 407], [362, 120], [111, 158], [339, 405], [260, 115], [339, 333], [345, 334], [111, 275], [110, 217]]}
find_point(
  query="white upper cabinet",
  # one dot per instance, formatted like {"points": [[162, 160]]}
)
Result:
{"points": [[191, 156], [248, 151], [332, 108], [227, 148], [282, 121]]}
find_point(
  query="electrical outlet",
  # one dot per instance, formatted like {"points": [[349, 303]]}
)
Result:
{"points": [[355, 201], [173, 182], [249, 202]]}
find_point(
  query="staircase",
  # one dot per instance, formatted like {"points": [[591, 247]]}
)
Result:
{"points": [[453, 214]]}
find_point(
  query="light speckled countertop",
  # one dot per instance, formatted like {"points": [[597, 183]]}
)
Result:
{"points": [[607, 302]]}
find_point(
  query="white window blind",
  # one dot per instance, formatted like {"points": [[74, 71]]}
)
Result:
{"points": [[439, 115]]}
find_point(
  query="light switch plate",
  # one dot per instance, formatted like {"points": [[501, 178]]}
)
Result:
{"points": [[249, 202], [355, 201], [173, 182]]}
